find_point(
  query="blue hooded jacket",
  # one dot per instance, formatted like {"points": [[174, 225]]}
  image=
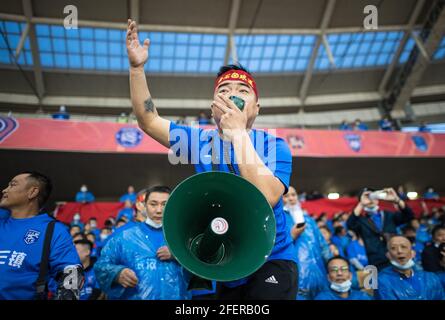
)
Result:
{"points": [[421, 286], [135, 248], [312, 251]]}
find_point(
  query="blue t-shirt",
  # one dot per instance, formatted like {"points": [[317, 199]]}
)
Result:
{"points": [[357, 251], [21, 244], [84, 197], [128, 196], [353, 295], [377, 218], [127, 213], [90, 283], [4, 213], [191, 142]]}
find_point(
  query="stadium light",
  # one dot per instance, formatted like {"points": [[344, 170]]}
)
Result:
{"points": [[412, 195], [333, 196]]}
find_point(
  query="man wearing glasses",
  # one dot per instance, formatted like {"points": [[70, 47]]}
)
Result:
{"points": [[339, 276]]}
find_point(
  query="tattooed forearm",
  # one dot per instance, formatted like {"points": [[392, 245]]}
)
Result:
{"points": [[149, 105]]}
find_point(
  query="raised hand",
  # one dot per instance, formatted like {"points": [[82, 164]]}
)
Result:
{"points": [[137, 54]]}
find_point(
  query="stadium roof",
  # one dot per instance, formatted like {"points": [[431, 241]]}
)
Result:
{"points": [[313, 55]]}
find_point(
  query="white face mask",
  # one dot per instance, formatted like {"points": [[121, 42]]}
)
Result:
{"points": [[153, 224], [341, 287], [84, 189], [373, 209], [405, 266], [76, 217], [103, 237], [93, 225]]}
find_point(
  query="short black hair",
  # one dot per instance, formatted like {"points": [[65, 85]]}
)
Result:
{"points": [[338, 230], [120, 220], [359, 195], [160, 189], [437, 228], [405, 229], [44, 184], [75, 226], [228, 67], [92, 218], [338, 258], [85, 242], [79, 234], [90, 233]]}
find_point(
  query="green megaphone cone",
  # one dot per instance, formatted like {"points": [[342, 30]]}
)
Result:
{"points": [[219, 226]]}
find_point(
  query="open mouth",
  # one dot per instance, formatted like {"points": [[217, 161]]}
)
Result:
{"points": [[402, 260]]}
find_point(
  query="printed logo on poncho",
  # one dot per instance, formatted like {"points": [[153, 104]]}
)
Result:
{"points": [[129, 137], [354, 142]]}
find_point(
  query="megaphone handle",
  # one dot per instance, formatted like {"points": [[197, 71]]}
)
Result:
{"points": [[225, 154]]}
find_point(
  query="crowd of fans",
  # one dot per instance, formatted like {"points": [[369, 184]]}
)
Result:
{"points": [[407, 252], [128, 258], [333, 252]]}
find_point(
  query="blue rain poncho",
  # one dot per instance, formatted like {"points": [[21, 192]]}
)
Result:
{"points": [[353, 295], [312, 251], [421, 286], [135, 248]]}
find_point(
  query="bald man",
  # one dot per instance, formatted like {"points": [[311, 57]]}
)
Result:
{"points": [[401, 281]]}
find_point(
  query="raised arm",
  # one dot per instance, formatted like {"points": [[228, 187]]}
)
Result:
{"points": [[143, 107]]}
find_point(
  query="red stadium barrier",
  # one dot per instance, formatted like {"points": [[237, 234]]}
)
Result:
{"points": [[103, 210], [58, 135]]}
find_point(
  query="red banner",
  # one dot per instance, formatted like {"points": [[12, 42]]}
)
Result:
{"points": [[103, 210], [59, 135], [99, 210]]}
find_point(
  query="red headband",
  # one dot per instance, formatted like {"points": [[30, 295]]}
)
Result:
{"points": [[237, 75]]}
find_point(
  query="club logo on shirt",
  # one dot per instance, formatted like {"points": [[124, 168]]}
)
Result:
{"points": [[7, 126], [31, 236], [420, 143], [354, 141], [128, 137]]}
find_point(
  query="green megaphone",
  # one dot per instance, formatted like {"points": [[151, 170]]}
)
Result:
{"points": [[219, 226]]}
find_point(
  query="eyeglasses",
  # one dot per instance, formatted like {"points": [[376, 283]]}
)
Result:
{"points": [[336, 269]]}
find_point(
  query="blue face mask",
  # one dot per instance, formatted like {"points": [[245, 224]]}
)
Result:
{"points": [[405, 266], [341, 287]]}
